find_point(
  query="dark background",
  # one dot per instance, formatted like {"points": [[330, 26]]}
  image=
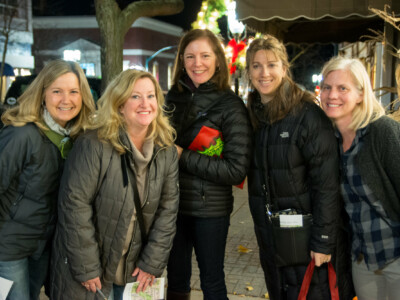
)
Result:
{"points": [[86, 7], [302, 69]]}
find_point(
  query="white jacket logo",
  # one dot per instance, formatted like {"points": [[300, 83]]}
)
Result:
{"points": [[284, 134]]}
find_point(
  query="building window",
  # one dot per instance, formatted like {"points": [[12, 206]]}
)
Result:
{"points": [[156, 71], [88, 68], [170, 68], [72, 55]]}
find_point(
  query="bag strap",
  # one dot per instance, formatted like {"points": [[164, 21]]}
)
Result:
{"points": [[129, 177], [307, 280], [265, 184], [333, 282], [201, 113]]}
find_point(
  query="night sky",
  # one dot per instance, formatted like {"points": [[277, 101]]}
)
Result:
{"points": [[86, 7]]}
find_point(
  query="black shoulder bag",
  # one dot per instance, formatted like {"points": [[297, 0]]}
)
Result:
{"points": [[291, 243], [128, 177]]}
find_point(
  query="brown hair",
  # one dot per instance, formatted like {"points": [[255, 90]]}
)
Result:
{"points": [[288, 95], [221, 75]]}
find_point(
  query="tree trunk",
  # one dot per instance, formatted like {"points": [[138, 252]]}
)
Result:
{"points": [[3, 65], [114, 23], [396, 114]]}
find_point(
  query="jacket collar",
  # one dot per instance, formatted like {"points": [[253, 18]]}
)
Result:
{"points": [[187, 83]]}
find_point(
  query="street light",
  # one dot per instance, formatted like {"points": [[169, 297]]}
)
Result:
{"points": [[156, 53], [236, 43], [316, 79]]}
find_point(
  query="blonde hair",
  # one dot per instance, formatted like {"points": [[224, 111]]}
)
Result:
{"points": [[221, 76], [108, 119], [30, 108], [369, 109], [288, 94]]}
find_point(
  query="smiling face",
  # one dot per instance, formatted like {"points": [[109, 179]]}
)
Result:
{"points": [[266, 72], [63, 98], [141, 107], [199, 61], [340, 96]]}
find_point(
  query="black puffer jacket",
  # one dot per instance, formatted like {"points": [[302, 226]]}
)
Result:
{"points": [[299, 158], [206, 181], [30, 167]]}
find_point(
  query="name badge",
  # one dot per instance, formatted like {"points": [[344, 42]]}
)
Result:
{"points": [[287, 221]]}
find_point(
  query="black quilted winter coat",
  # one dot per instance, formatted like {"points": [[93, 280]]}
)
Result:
{"points": [[299, 159], [30, 171], [206, 181]]}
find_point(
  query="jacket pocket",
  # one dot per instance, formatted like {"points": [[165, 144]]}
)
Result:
{"points": [[14, 206]]}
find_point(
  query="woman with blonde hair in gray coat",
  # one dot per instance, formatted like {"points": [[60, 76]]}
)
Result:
{"points": [[118, 198]]}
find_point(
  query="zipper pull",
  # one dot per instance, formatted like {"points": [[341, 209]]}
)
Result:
{"points": [[267, 205], [268, 211]]}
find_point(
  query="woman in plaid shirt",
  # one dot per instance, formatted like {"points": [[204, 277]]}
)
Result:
{"points": [[369, 145]]}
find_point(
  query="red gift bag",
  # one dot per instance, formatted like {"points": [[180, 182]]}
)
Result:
{"points": [[209, 142], [307, 280]]}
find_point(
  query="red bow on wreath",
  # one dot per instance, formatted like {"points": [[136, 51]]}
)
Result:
{"points": [[236, 49]]}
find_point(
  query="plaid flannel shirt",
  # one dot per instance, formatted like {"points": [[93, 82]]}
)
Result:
{"points": [[375, 236]]}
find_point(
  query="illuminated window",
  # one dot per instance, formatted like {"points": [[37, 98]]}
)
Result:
{"points": [[156, 70], [170, 66], [88, 68], [72, 55]]}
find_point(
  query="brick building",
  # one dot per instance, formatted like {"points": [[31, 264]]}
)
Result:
{"points": [[78, 38]]}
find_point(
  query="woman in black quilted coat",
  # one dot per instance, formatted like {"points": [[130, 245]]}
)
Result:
{"points": [[214, 144], [294, 167]]}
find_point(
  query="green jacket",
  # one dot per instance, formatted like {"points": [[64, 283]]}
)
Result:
{"points": [[95, 209]]}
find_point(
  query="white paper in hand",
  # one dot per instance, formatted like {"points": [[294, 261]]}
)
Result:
{"points": [[155, 292], [5, 286]]}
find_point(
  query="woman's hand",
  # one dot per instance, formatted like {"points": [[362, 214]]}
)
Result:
{"points": [[144, 279], [179, 149], [320, 258], [91, 284]]}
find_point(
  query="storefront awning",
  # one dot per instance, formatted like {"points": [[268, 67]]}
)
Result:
{"points": [[8, 70], [311, 21]]}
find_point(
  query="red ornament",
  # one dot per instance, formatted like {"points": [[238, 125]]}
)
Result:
{"points": [[236, 49]]}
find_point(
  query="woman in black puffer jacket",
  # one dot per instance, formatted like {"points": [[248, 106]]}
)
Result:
{"points": [[294, 167], [214, 144]]}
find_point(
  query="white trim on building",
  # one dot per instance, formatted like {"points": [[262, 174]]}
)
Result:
{"points": [[80, 22], [141, 52]]}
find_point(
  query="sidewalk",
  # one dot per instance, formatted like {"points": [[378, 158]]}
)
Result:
{"points": [[243, 273]]}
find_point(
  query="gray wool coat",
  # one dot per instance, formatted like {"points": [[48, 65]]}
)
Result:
{"points": [[94, 212]]}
